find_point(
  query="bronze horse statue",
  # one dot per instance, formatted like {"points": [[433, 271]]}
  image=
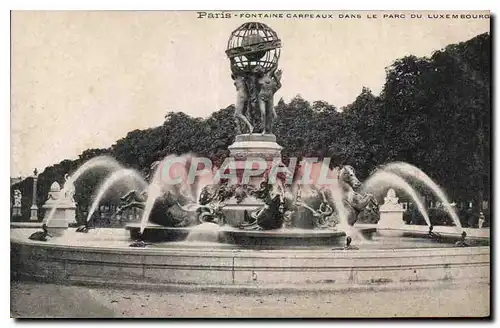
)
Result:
{"points": [[173, 208], [353, 201], [134, 198]]}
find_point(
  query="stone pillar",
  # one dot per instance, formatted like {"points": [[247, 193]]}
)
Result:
{"points": [[34, 207], [391, 212]]}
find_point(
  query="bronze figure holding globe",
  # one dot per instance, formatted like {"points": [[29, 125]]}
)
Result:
{"points": [[253, 50]]}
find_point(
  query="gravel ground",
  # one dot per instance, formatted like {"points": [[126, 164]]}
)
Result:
{"points": [[29, 300]]}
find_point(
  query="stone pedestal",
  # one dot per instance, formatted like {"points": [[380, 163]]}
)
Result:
{"points": [[34, 213], [16, 208], [235, 213], [248, 147], [63, 211], [391, 212], [16, 211], [63, 214], [255, 145], [70, 213]]}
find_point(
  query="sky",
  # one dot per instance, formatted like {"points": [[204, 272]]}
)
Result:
{"points": [[84, 79]]}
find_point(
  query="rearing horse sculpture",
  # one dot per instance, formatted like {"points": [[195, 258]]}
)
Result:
{"points": [[354, 202], [172, 208]]}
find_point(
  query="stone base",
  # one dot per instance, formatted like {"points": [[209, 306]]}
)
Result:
{"points": [[63, 215], [262, 146], [391, 219], [90, 260], [234, 213], [245, 148], [16, 211], [34, 213]]}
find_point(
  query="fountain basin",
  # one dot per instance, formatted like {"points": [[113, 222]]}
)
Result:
{"points": [[449, 234], [282, 238], [102, 257], [278, 238], [157, 233]]}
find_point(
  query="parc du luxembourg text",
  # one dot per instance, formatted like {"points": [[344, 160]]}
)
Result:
{"points": [[337, 15]]}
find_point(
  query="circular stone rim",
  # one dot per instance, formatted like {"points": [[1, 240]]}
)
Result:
{"points": [[249, 269]]}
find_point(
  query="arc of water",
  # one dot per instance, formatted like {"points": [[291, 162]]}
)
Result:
{"points": [[414, 172], [159, 183], [110, 181], [337, 194], [384, 179], [153, 192], [96, 162], [189, 185], [338, 202]]}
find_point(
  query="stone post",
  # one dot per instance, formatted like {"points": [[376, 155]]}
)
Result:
{"points": [[34, 207], [391, 212]]}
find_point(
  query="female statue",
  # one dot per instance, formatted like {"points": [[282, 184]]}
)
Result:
{"points": [[268, 84], [241, 101]]}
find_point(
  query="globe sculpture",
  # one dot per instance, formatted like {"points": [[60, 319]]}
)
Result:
{"points": [[253, 44], [253, 50]]}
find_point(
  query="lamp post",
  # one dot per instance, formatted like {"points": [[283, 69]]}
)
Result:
{"points": [[34, 207]]}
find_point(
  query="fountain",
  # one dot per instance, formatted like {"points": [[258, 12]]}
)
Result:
{"points": [[109, 182], [257, 223], [416, 173], [100, 162], [391, 212], [383, 179]]}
